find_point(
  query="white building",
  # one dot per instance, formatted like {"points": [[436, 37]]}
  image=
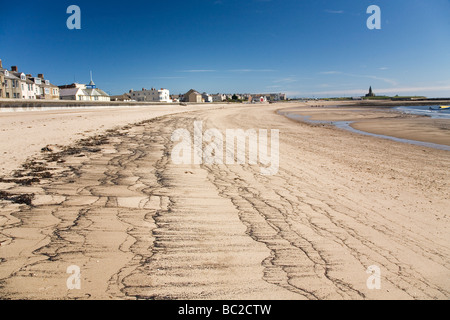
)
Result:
{"points": [[207, 98], [28, 87], [82, 92], [260, 99], [219, 97], [152, 95]]}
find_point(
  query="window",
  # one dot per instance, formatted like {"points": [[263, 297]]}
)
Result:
{"points": [[6, 73], [22, 77], [23, 87], [47, 82], [6, 84]]}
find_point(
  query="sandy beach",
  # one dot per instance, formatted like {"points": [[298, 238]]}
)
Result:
{"points": [[24, 134], [141, 227]]}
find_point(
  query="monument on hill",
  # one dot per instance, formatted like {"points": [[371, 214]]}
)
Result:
{"points": [[370, 94]]}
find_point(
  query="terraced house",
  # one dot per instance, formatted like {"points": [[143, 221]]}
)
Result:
{"points": [[27, 89], [18, 85], [11, 85], [44, 89]]}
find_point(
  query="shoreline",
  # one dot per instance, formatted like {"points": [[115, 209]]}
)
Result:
{"points": [[21, 103], [384, 123]]}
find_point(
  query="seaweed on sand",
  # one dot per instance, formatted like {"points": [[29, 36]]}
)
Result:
{"points": [[17, 198]]}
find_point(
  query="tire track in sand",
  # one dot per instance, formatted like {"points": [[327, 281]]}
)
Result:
{"points": [[136, 225]]}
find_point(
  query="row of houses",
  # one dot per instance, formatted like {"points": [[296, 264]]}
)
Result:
{"points": [[162, 95], [262, 97], [194, 96], [19, 85]]}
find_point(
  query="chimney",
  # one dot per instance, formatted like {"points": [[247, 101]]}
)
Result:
{"points": [[40, 75], [29, 75], [1, 65], [14, 68]]}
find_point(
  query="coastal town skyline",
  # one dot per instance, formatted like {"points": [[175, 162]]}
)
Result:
{"points": [[15, 84], [317, 49]]}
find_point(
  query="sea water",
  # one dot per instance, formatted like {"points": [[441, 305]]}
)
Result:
{"points": [[425, 111]]}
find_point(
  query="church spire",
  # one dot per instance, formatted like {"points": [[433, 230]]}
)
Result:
{"points": [[370, 94]]}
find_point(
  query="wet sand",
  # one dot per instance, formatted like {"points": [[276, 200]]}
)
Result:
{"points": [[415, 128], [141, 227], [382, 121]]}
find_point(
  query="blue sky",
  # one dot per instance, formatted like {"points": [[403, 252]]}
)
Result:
{"points": [[305, 48]]}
